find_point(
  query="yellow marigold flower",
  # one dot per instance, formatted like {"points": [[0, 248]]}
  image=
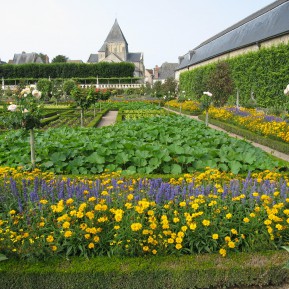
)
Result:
{"points": [[67, 234], [89, 215], [179, 240], [43, 201], [229, 216], [136, 226], [79, 214], [69, 201], [215, 236], [206, 223], [87, 236], [25, 235], [104, 193], [231, 245], [116, 227], [41, 224], [72, 213], [193, 226], [90, 245], [96, 239], [276, 194], [176, 220], [54, 248], [12, 212], [267, 222], [178, 246], [83, 226], [92, 199], [65, 225], [170, 240], [50, 239], [255, 194], [183, 204], [223, 252], [181, 234], [130, 197], [154, 251], [153, 226], [234, 231], [246, 220], [279, 227], [184, 228], [252, 215], [227, 239], [85, 192], [195, 206], [145, 248]]}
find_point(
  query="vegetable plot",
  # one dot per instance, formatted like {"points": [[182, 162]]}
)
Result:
{"points": [[171, 145]]}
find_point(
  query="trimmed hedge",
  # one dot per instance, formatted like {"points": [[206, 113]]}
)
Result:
{"points": [[97, 118], [265, 72], [194, 271], [67, 70]]}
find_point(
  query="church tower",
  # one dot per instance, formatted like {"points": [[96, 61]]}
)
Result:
{"points": [[115, 43]]}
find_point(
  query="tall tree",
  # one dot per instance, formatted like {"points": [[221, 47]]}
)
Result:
{"points": [[59, 58]]}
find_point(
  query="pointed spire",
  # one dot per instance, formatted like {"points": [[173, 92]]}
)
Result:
{"points": [[115, 34]]}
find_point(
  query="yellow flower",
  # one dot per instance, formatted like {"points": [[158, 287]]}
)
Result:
{"points": [[229, 216], [50, 239], [89, 215], [87, 236], [234, 231], [67, 234], [116, 227], [136, 226], [246, 220], [154, 251], [178, 246], [129, 197], [176, 220], [227, 239], [170, 240], [69, 201], [41, 224], [54, 248], [43, 201], [206, 223], [12, 212], [96, 239], [215, 236], [267, 222], [183, 204], [193, 226], [65, 225], [223, 252], [231, 244], [92, 199], [279, 227], [145, 248], [90, 245]]}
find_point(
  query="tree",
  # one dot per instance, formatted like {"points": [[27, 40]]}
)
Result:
{"points": [[169, 87], [68, 86], [45, 86], [59, 59], [220, 83]]}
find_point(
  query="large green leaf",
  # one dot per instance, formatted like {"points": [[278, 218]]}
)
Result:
{"points": [[95, 158]]}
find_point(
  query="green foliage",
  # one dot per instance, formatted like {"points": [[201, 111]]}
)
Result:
{"points": [[68, 86], [45, 86], [67, 70], [201, 271], [264, 72], [171, 144], [59, 59], [220, 84]]}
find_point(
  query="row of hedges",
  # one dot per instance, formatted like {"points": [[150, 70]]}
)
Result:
{"points": [[264, 72], [67, 70], [80, 80], [198, 271]]}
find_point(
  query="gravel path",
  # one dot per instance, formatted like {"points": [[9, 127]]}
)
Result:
{"points": [[108, 119], [264, 148]]}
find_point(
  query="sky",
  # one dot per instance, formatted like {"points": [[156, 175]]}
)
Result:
{"points": [[161, 29]]}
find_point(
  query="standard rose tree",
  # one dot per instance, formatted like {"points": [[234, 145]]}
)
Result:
{"points": [[25, 113]]}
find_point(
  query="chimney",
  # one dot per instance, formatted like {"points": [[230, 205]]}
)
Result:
{"points": [[156, 72]]}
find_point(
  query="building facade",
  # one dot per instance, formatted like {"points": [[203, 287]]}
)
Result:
{"points": [[264, 28], [24, 58], [115, 49]]}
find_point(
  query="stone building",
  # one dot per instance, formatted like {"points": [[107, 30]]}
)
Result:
{"points": [[23, 58], [167, 70], [115, 49], [264, 28]]}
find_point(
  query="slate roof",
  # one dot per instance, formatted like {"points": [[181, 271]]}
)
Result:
{"points": [[93, 58], [167, 70], [115, 35], [23, 58], [267, 23], [134, 57]]}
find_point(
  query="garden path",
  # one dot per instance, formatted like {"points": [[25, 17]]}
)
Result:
{"points": [[275, 153], [108, 119]]}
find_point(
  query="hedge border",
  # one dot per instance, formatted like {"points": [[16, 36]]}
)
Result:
{"points": [[171, 272]]}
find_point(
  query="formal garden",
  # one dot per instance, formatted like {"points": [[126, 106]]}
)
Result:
{"points": [[157, 200]]}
